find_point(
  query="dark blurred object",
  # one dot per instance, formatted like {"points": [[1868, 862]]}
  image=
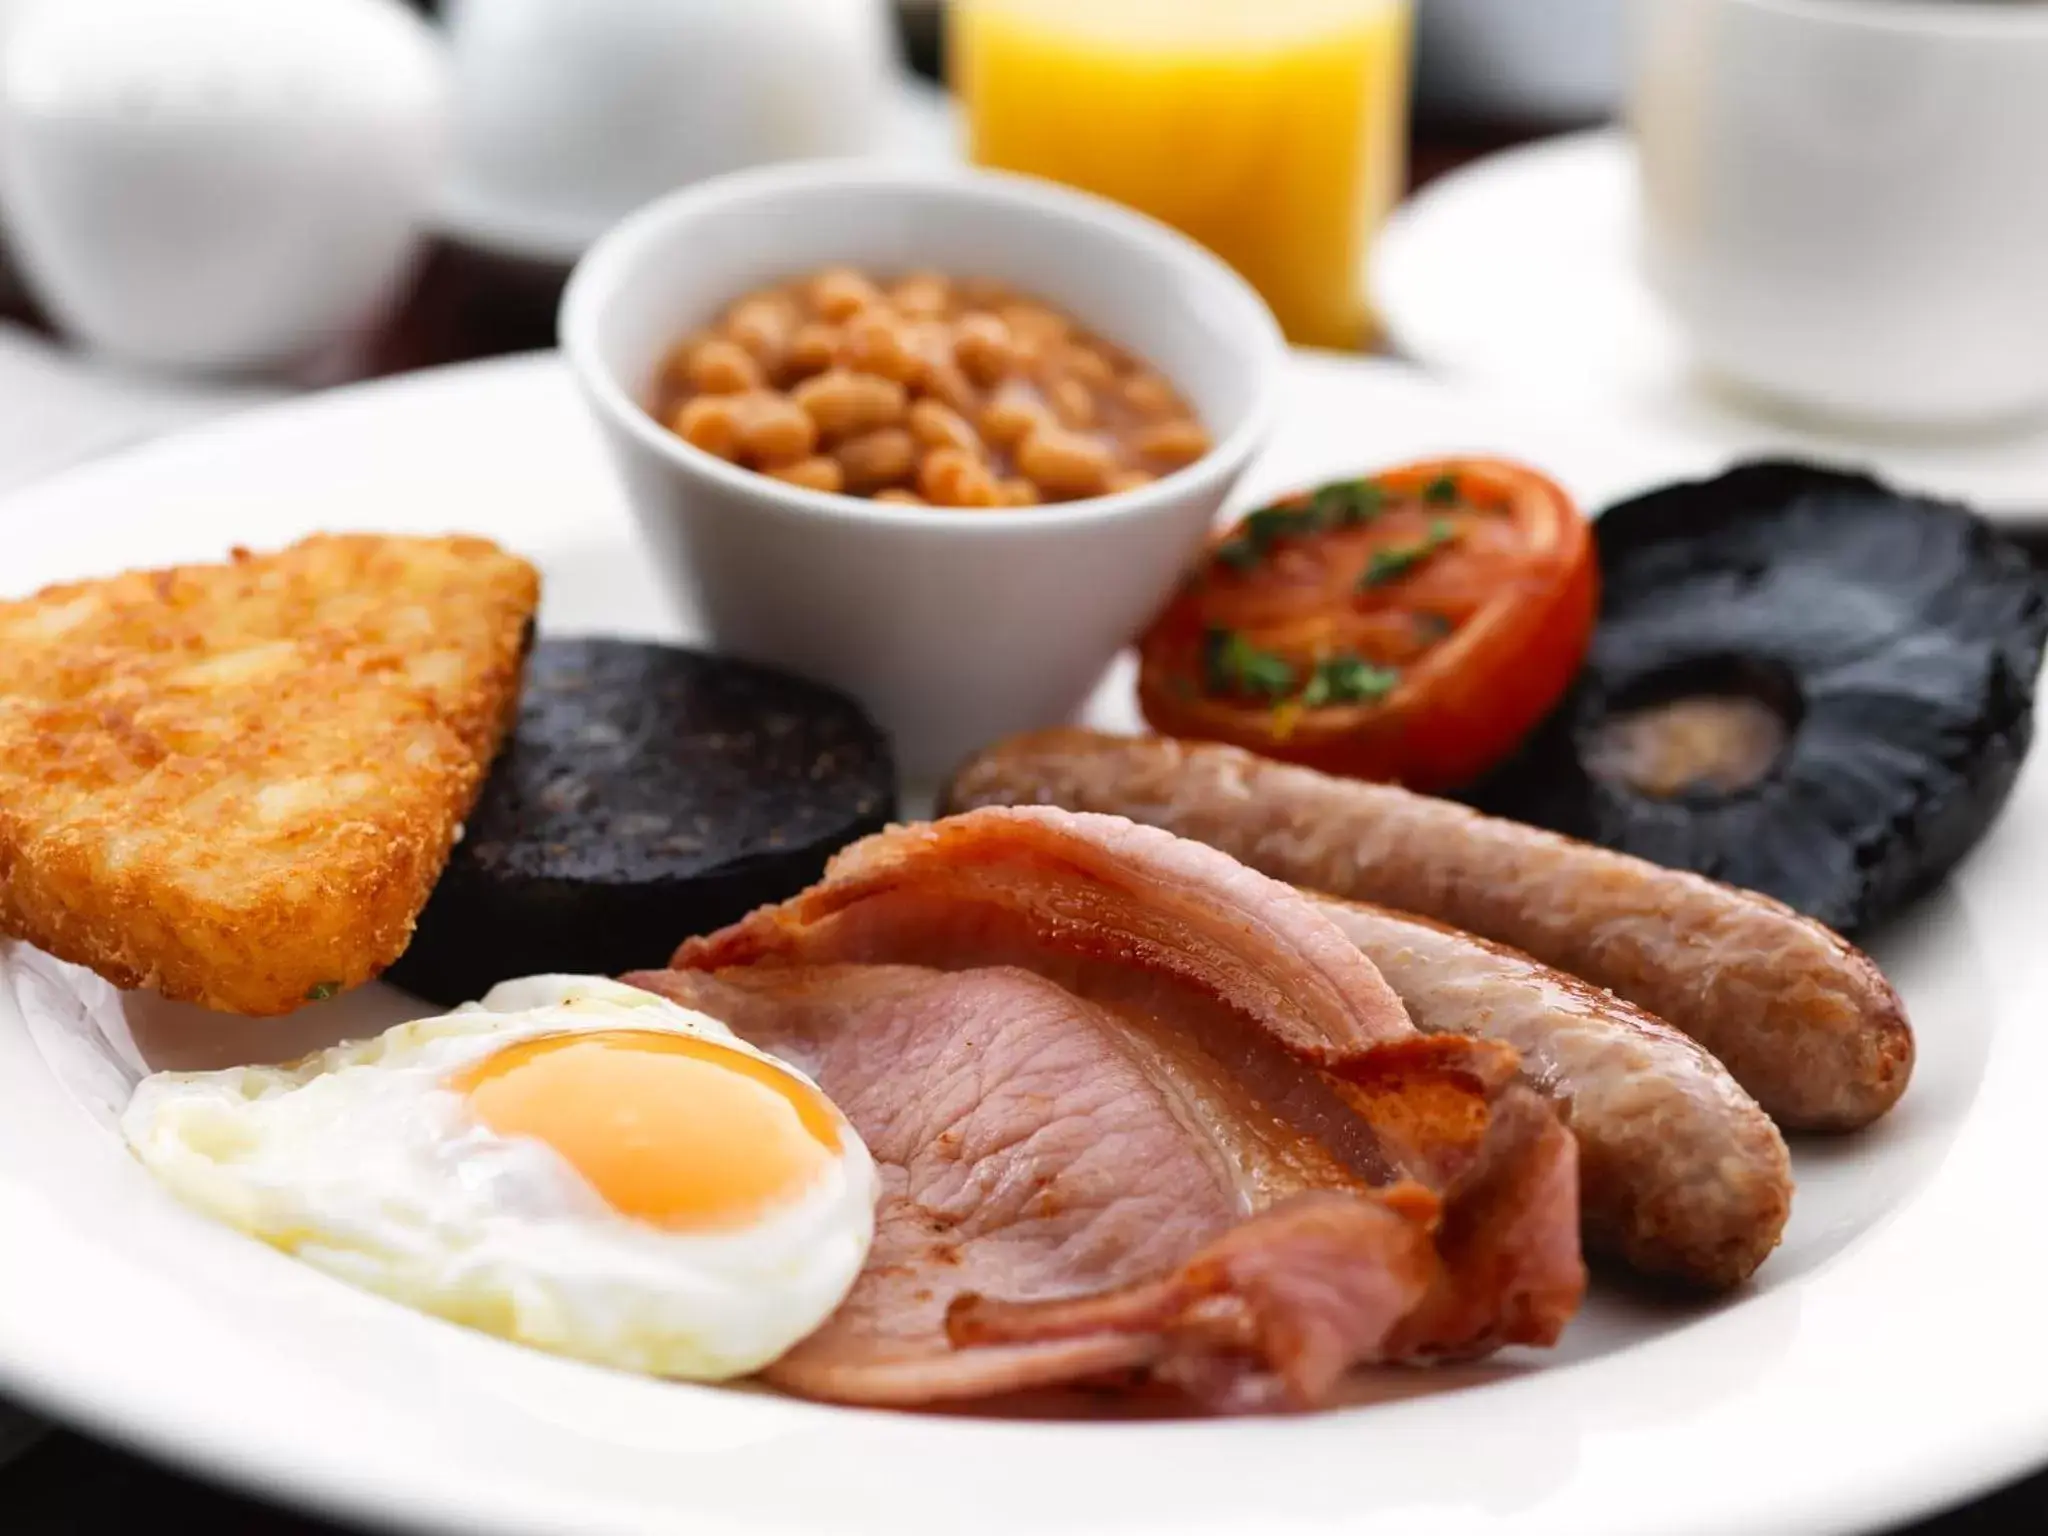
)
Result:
{"points": [[923, 23], [69, 1485], [1537, 64]]}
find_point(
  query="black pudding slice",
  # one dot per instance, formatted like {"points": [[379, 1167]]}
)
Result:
{"points": [[647, 793], [1803, 682]]}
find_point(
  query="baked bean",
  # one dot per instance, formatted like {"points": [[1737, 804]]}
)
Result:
{"points": [[673, 376], [929, 340], [1173, 443], [1073, 402], [940, 426], [763, 325], [922, 295], [877, 459], [1065, 464], [813, 474], [984, 348], [840, 293], [945, 383], [721, 367], [876, 342], [922, 390], [949, 477], [709, 422], [844, 404], [1035, 322], [1085, 363], [774, 429], [1149, 395], [812, 349], [1013, 415]]}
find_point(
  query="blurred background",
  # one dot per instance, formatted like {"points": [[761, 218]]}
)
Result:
{"points": [[1725, 226], [483, 155], [208, 204]]}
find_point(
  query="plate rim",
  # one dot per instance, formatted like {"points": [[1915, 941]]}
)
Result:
{"points": [[1890, 1495]]}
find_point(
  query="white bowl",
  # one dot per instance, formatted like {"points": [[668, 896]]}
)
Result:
{"points": [[952, 627]]}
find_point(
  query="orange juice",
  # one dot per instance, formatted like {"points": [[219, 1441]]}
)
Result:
{"points": [[1273, 131]]}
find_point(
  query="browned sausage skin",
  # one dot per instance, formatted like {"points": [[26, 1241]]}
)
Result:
{"points": [[1800, 1017], [1681, 1175]]}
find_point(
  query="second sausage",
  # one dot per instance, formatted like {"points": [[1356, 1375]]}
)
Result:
{"points": [[1681, 1175]]}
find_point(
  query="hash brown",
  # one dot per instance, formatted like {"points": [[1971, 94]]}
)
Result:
{"points": [[237, 783]]}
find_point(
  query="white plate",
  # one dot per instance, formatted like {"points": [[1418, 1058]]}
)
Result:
{"points": [[1888, 1361], [925, 130], [1518, 273]]}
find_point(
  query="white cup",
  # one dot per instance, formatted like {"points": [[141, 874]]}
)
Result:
{"points": [[571, 113], [1846, 201]]}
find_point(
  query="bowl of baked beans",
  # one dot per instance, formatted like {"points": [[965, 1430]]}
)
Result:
{"points": [[923, 391], [943, 439]]}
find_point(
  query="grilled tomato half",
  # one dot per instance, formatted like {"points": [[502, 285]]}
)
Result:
{"points": [[1412, 626]]}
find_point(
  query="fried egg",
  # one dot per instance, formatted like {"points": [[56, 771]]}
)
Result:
{"points": [[572, 1163]]}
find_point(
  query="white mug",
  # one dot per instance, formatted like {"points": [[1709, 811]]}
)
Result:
{"points": [[571, 113], [1846, 201]]}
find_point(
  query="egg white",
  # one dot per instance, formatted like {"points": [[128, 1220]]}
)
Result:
{"points": [[363, 1161]]}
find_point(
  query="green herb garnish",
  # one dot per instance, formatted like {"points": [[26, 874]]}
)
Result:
{"points": [[1239, 553], [1341, 504], [1442, 491], [1268, 525], [1248, 546], [1389, 565], [1392, 564], [1232, 664], [320, 991], [1347, 503], [1348, 679]]}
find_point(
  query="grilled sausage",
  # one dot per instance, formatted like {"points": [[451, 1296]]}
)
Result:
{"points": [[1681, 1175], [1801, 1018]]}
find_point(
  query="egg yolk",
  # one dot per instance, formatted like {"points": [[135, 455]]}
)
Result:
{"points": [[675, 1130]]}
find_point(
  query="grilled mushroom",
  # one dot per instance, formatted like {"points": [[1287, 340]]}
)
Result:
{"points": [[1803, 682]]}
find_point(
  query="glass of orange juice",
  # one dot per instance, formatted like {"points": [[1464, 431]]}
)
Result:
{"points": [[1273, 131]]}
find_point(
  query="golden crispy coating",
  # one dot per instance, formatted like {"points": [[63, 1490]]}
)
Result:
{"points": [[237, 783]]}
